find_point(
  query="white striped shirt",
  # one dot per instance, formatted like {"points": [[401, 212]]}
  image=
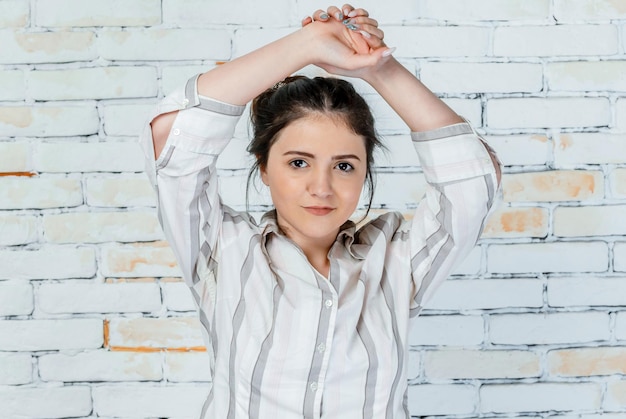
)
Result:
{"points": [[284, 341]]}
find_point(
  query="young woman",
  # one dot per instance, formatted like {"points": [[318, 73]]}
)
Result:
{"points": [[303, 315]]}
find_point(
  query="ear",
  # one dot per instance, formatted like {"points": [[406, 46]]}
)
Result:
{"points": [[263, 174]]}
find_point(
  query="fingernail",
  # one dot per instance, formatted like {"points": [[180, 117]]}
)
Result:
{"points": [[346, 11], [324, 16], [339, 16], [352, 27], [365, 34], [346, 21], [388, 52], [352, 13]]}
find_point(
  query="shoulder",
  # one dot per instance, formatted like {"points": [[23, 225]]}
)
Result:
{"points": [[386, 226]]}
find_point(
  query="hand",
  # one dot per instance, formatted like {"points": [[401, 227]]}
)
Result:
{"points": [[350, 48], [364, 35]]}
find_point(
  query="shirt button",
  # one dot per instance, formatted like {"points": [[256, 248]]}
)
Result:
{"points": [[313, 386], [329, 303], [321, 347], [185, 102], [176, 131]]}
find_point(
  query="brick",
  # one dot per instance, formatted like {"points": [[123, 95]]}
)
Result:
{"points": [[454, 77], [15, 157], [540, 397], [48, 121], [616, 396], [617, 182], [177, 75], [486, 294], [481, 364], [235, 156], [46, 47], [472, 263], [69, 156], [547, 257], [101, 366], [164, 44], [415, 362], [620, 114], [53, 262], [16, 299], [555, 40], [17, 229], [521, 150], [84, 227], [176, 297], [187, 367], [619, 257], [48, 335], [517, 222], [387, 120], [12, 83], [588, 10], [172, 332], [149, 401], [14, 13], [98, 298], [481, 10], [590, 221], [552, 112], [77, 13], [589, 148], [200, 13], [434, 399], [438, 41], [46, 402], [581, 76], [15, 369], [139, 260], [585, 362], [125, 119], [470, 109], [447, 330], [546, 329], [92, 83], [553, 186], [119, 192], [620, 326], [397, 190], [586, 291], [20, 192]]}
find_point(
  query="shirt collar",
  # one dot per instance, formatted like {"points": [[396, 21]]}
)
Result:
{"points": [[346, 232]]}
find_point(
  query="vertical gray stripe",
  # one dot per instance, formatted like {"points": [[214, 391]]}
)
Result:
{"points": [[261, 363], [444, 216], [388, 294], [322, 332], [491, 190], [372, 369], [246, 269]]}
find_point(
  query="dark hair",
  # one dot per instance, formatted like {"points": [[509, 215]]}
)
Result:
{"points": [[298, 97]]}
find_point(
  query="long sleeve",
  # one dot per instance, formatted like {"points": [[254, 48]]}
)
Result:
{"points": [[462, 177], [184, 176]]}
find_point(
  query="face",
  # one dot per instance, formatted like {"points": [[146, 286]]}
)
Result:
{"points": [[315, 172]]}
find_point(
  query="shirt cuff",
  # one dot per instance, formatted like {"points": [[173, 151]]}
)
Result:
{"points": [[452, 153]]}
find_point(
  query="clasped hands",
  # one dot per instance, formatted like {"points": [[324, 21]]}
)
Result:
{"points": [[351, 42]]}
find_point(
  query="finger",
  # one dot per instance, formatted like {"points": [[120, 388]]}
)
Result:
{"points": [[320, 15], [358, 12], [362, 20], [335, 12], [347, 9], [371, 30], [306, 21], [374, 42]]}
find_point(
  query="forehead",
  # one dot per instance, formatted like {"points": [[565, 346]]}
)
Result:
{"points": [[322, 134]]}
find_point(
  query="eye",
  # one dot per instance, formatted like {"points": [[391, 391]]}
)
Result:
{"points": [[345, 167], [298, 163]]}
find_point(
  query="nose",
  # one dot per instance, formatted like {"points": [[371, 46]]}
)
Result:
{"points": [[320, 183]]}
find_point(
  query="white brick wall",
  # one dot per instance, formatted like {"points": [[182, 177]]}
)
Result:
{"points": [[94, 319]]}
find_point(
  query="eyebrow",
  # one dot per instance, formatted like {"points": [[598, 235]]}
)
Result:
{"points": [[305, 154]]}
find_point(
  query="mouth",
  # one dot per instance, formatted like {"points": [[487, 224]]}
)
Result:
{"points": [[318, 210]]}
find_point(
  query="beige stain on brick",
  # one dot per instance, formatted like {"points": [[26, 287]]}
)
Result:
{"points": [[53, 43], [565, 141], [618, 392], [550, 186], [519, 222], [540, 138], [159, 254], [151, 335], [20, 117], [588, 361]]}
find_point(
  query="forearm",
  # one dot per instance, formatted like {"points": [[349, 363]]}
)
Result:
{"points": [[239, 81], [418, 107]]}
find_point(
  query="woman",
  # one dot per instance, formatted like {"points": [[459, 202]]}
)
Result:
{"points": [[305, 316]]}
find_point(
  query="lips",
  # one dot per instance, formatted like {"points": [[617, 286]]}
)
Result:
{"points": [[318, 210]]}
